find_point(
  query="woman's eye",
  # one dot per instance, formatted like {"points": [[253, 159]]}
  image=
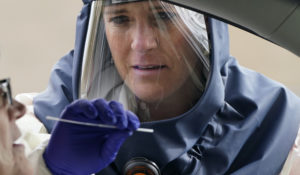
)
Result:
{"points": [[119, 19], [165, 15]]}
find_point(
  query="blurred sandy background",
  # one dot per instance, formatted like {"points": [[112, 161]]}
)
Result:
{"points": [[34, 34]]}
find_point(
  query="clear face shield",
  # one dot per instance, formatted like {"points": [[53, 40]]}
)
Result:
{"points": [[151, 56]]}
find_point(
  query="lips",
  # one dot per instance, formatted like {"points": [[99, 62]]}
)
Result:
{"points": [[19, 146], [18, 143], [149, 67]]}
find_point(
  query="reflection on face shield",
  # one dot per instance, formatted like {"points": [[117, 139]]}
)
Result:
{"points": [[149, 55]]}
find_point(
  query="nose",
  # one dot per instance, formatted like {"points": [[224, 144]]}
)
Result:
{"points": [[16, 110], [144, 38]]}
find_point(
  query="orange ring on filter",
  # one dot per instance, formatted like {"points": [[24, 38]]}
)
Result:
{"points": [[141, 166]]}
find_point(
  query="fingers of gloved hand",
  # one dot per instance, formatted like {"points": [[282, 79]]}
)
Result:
{"points": [[105, 114], [133, 121], [111, 147], [83, 107], [120, 114]]}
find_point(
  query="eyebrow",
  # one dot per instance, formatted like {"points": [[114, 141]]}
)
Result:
{"points": [[115, 11]]}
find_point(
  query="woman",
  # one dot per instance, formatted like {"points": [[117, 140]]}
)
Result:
{"points": [[12, 154], [171, 67]]}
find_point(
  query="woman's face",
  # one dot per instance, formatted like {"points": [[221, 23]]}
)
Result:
{"points": [[12, 156], [149, 51]]}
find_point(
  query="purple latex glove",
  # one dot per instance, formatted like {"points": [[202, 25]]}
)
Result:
{"points": [[75, 149]]}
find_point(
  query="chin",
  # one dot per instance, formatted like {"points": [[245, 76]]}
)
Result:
{"points": [[149, 92], [150, 98]]}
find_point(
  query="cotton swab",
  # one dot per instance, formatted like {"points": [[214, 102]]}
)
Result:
{"points": [[147, 130]]}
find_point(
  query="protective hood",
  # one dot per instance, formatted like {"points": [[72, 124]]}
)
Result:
{"points": [[243, 122]]}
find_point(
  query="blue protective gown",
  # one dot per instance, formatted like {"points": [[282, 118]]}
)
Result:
{"points": [[244, 123]]}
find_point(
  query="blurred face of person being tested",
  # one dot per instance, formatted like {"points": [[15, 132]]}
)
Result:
{"points": [[12, 156], [152, 55]]}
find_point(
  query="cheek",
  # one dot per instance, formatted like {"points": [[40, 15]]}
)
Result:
{"points": [[118, 39], [120, 50], [186, 60], [15, 130], [114, 41], [5, 130], [122, 67], [187, 55]]}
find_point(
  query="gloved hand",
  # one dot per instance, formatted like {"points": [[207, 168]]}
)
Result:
{"points": [[76, 149]]}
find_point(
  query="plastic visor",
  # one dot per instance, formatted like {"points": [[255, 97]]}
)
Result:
{"points": [[151, 56]]}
